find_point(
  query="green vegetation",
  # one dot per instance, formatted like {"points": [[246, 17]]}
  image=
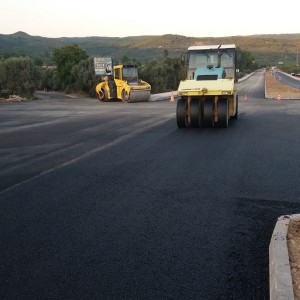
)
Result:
{"points": [[266, 49], [85, 80], [246, 64], [65, 59], [28, 63], [19, 76], [291, 69], [163, 75]]}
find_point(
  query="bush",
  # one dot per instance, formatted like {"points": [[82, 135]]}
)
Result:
{"points": [[19, 76], [4, 94]]}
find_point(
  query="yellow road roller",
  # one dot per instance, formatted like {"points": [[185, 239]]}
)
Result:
{"points": [[208, 96], [120, 82]]}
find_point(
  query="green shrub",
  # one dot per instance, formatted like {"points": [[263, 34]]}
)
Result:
{"points": [[4, 94]]}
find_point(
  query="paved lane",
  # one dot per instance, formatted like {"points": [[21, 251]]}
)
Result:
{"points": [[112, 201], [288, 80]]}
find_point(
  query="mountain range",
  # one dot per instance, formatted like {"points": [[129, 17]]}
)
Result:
{"points": [[266, 49]]}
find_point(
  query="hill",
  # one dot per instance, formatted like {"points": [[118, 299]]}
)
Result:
{"points": [[266, 49]]}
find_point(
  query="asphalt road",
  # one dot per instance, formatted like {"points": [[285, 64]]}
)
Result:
{"points": [[285, 79], [113, 201]]}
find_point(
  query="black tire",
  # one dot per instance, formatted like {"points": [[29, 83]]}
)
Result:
{"points": [[102, 95], [181, 116], [208, 107], [125, 96], [235, 117], [195, 113], [222, 113]]}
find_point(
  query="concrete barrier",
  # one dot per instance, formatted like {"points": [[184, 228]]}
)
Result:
{"points": [[163, 96], [280, 277]]}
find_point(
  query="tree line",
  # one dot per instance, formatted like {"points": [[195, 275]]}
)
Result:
{"points": [[72, 71]]}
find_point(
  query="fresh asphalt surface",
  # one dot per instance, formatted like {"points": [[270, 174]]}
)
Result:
{"points": [[289, 80], [113, 201]]}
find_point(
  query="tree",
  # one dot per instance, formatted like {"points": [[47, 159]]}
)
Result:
{"points": [[47, 78], [65, 59], [20, 76], [153, 72], [163, 75], [84, 76], [125, 59], [247, 62]]}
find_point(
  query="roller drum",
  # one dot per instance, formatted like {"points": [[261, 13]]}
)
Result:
{"points": [[139, 96]]}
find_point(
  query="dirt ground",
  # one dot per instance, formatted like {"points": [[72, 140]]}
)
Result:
{"points": [[293, 240], [12, 98]]}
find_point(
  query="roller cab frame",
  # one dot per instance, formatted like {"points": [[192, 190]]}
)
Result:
{"points": [[208, 97]]}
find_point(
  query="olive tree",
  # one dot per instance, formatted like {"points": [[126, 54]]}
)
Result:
{"points": [[19, 76], [163, 75], [84, 77], [65, 59]]}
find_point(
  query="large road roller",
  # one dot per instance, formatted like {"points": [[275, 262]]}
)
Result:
{"points": [[208, 96], [120, 82]]}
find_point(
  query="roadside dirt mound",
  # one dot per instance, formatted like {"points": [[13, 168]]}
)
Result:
{"points": [[12, 98]]}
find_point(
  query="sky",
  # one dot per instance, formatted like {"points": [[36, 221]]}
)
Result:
{"points": [[116, 18]]}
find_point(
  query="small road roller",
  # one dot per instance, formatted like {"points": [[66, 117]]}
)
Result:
{"points": [[120, 82]]}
